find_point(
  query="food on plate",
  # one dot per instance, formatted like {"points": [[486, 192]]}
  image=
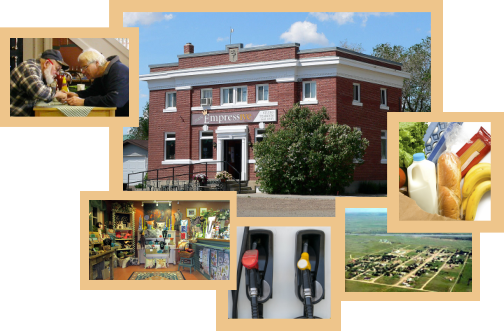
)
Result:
{"points": [[474, 199], [449, 177]]}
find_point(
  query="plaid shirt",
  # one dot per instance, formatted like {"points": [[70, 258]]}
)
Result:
{"points": [[27, 87]]}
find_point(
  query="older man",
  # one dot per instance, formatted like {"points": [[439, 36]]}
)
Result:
{"points": [[110, 87], [28, 82]]}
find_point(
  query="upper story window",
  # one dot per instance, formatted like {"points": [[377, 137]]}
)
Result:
{"points": [[309, 91], [169, 151], [206, 145], [383, 97], [234, 95], [356, 95], [171, 101], [262, 93], [206, 97]]}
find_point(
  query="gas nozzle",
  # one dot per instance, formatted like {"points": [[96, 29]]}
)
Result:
{"points": [[304, 261]]}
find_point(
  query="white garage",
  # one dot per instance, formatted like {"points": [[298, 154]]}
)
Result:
{"points": [[135, 159]]}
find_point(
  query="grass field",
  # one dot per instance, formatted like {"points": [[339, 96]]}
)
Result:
{"points": [[464, 284], [440, 283], [388, 280], [351, 286], [420, 281]]}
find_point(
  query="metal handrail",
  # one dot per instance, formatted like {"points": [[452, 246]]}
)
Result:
{"points": [[173, 174]]}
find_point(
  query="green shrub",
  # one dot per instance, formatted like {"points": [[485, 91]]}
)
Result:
{"points": [[306, 155]]}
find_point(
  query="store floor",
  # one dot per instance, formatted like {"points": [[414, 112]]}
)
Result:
{"points": [[124, 274]]}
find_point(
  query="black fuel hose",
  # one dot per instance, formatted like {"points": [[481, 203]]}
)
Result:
{"points": [[253, 296], [307, 286], [234, 293]]}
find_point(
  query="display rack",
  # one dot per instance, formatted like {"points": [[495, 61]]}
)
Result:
{"points": [[212, 244], [121, 219]]}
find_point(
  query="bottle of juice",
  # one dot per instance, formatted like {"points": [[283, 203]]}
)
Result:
{"points": [[422, 183]]}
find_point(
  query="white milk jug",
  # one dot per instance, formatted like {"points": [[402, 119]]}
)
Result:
{"points": [[422, 183]]}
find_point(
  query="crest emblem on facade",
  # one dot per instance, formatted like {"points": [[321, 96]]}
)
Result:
{"points": [[233, 55]]}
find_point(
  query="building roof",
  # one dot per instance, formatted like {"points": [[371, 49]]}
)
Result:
{"points": [[137, 142]]}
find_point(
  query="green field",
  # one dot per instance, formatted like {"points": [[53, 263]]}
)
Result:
{"points": [[464, 284], [388, 280], [440, 283], [351, 286], [420, 281]]}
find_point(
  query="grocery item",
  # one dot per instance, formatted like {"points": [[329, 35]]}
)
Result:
{"points": [[410, 141], [402, 178], [474, 199], [474, 177], [435, 142], [473, 152], [422, 183], [449, 198]]}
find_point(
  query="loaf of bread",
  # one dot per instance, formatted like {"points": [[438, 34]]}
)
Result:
{"points": [[449, 176]]}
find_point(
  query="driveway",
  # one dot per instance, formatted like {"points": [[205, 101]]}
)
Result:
{"points": [[268, 205]]}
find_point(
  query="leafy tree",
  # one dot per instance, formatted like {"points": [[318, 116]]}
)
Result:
{"points": [[352, 46], [306, 155], [142, 131], [416, 94]]}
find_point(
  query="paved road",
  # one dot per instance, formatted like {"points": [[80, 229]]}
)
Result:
{"points": [[265, 205]]}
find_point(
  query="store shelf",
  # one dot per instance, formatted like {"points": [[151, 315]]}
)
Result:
{"points": [[124, 239], [124, 249]]}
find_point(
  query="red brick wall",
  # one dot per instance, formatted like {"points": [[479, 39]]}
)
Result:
{"points": [[243, 57], [367, 60], [370, 118], [164, 69]]}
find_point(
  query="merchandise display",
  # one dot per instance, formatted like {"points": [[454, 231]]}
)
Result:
{"points": [[462, 175], [179, 247]]}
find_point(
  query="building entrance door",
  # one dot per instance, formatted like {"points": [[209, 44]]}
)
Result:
{"points": [[233, 157]]}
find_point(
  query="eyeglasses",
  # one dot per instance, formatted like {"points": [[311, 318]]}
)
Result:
{"points": [[58, 68], [85, 67]]}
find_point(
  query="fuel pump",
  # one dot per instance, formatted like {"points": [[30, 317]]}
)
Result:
{"points": [[310, 269], [257, 257]]}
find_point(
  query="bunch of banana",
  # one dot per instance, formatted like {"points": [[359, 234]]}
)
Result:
{"points": [[476, 184]]}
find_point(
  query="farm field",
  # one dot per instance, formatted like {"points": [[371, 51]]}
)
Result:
{"points": [[353, 286], [464, 284]]}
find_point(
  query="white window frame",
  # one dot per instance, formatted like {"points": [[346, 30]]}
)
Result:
{"points": [[384, 105], [257, 93], [356, 102], [358, 160], [169, 139], [170, 109], [259, 135], [203, 90], [235, 95], [383, 161], [201, 137], [311, 100]]}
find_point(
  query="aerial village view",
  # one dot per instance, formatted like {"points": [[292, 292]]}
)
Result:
{"points": [[377, 261]]}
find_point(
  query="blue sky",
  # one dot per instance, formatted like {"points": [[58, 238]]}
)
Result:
{"points": [[163, 35]]}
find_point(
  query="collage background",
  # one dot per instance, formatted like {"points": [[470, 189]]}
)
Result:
{"points": [[48, 167]]}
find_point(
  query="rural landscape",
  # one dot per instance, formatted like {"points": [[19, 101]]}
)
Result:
{"points": [[377, 261]]}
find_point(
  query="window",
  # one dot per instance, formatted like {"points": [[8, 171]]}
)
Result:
{"points": [[233, 95], [259, 134], [356, 95], [262, 93], [171, 100], [309, 91], [383, 96], [206, 145], [384, 146], [206, 94], [169, 146], [358, 159]]}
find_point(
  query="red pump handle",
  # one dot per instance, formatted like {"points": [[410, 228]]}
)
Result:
{"points": [[250, 259]]}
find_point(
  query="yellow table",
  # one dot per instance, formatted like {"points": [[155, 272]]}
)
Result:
{"points": [[95, 112]]}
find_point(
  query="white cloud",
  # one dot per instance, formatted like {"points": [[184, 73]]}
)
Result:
{"points": [[304, 33], [143, 95], [344, 18], [253, 45], [221, 39], [135, 19]]}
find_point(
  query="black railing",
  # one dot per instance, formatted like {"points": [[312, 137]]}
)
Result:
{"points": [[172, 177]]}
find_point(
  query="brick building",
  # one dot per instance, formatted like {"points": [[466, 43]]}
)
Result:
{"points": [[213, 106]]}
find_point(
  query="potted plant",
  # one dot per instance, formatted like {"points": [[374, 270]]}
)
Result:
{"points": [[223, 176], [201, 178]]}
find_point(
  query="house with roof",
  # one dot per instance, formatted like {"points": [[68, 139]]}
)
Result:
{"points": [[135, 160]]}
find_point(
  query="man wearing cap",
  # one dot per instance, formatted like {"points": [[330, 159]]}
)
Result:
{"points": [[29, 83]]}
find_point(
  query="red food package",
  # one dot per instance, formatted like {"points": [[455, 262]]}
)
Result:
{"points": [[475, 150]]}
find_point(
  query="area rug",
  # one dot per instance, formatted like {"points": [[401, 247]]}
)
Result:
{"points": [[159, 275]]}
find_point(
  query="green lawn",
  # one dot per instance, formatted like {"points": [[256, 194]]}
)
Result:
{"points": [[351, 286], [463, 284]]}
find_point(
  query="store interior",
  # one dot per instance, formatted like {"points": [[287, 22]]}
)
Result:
{"points": [[159, 240]]}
